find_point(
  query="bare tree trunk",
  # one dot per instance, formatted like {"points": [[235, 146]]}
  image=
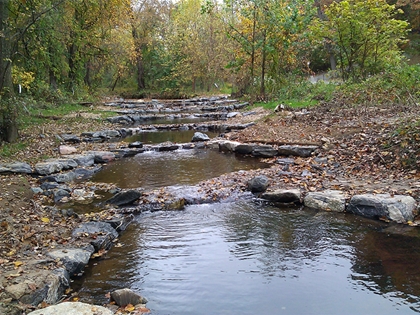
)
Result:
{"points": [[321, 15], [9, 129]]}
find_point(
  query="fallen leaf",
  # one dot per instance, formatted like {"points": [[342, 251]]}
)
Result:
{"points": [[45, 220], [129, 308], [17, 264]]}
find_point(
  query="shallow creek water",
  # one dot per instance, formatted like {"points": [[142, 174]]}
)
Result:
{"points": [[250, 258]]}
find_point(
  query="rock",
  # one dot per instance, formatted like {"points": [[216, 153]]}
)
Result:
{"points": [[283, 196], [258, 184], [73, 259], [199, 136], [297, 150], [70, 138], [124, 198], [73, 308], [16, 167], [397, 208], [102, 156], [46, 168], [264, 151], [136, 144], [66, 150], [59, 194], [228, 146], [120, 224], [39, 286], [120, 120], [244, 148], [126, 296], [83, 159], [107, 134], [167, 147], [328, 200], [103, 234], [232, 114], [285, 161]]}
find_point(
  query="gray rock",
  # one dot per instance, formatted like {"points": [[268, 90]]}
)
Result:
{"points": [[70, 138], [103, 234], [16, 167], [232, 114], [199, 136], [124, 198], [258, 184], [59, 194], [120, 119], [126, 296], [102, 156], [83, 159], [397, 208], [136, 144], [73, 259], [49, 287], [107, 134], [73, 308], [285, 161], [244, 148], [120, 224], [264, 151], [46, 168], [67, 163], [228, 146], [328, 200], [297, 150], [167, 147], [283, 196]]}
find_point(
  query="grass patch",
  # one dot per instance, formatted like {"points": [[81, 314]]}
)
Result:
{"points": [[10, 149]]}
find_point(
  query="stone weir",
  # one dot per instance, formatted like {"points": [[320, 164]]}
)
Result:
{"points": [[221, 103]]}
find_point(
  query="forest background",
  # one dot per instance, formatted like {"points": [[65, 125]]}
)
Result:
{"points": [[56, 52]]}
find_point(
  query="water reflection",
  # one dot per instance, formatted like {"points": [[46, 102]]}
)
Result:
{"points": [[182, 167], [247, 258]]}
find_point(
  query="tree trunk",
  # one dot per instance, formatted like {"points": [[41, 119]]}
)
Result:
{"points": [[9, 129], [139, 59], [6, 87]]}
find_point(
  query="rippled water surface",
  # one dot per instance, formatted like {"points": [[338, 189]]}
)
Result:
{"points": [[248, 258]]}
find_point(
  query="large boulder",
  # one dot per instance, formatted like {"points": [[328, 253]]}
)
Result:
{"points": [[101, 234], [244, 148], [73, 308], [264, 151], [329, 200], [397, 208], [199, 136], [126, 296], [102, 156], [258, 184], [50, 167], [73, 259], [283, 196], [41, 285], [228, 146], [297, 150], [17, 167], [83, 159], [124, 198]]}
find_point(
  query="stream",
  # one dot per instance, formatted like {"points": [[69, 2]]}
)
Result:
{"points": [[249, 257]]}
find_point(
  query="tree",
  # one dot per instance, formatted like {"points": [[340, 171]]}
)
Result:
{"points": [[364, 34]]}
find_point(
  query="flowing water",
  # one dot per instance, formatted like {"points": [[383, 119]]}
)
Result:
{"points": [[249, 258]]}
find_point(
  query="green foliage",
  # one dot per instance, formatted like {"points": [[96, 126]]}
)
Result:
{"points": [[400, 85], [364, 34]]}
